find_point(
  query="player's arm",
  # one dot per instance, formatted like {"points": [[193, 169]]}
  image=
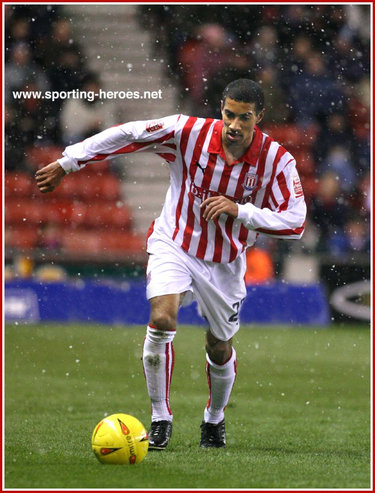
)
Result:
{"points": [[155, 136], [285, 213]]}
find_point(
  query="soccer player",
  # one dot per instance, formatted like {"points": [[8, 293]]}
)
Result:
{"points": [[229, 182]]}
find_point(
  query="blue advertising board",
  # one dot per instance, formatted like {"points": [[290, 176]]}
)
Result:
{"points": [[117, 303]]}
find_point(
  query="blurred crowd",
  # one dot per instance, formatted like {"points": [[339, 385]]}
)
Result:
{"points": [[311, 60], [42, 55]]}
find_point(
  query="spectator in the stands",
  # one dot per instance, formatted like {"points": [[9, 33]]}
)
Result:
{"points": [[264, 48], [346, 61], [19, 30], [314, 94], [238, 67], [32, 119], [277, 109], [63, 59], [14, 149], [50, 237], [300, 51], [330, 210], [20, 70], [357, 235], [359, 96], [201, 57], [84, 116], [335, 130], [338, 161], [61, 38]]}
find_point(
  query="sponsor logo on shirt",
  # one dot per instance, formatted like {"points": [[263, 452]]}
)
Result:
{"points": [[200, 167], [204, 193], [153, 126]]}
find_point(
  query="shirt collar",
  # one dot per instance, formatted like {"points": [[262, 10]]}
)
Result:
{"points": [[251, 155]]}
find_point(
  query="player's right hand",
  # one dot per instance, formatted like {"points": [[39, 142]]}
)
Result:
{"points": [[49, 177]]}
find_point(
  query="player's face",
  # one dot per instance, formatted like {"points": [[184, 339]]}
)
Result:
{"points": [[239, 121]]}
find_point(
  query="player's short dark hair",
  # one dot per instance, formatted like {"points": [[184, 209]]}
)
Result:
{"points": [[245, 91]]}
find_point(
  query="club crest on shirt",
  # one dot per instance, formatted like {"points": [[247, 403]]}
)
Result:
{"points": [[250, 181]]}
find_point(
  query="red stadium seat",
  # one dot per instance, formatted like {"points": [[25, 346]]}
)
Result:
{"points": [[33, 212], [310, 187], [57, 212], [37, 157], [78, 214], [103, 186], [21, 238], [101, 242], [305, 163], [23, 212], [123, 243], [292, 137], [18, 184], [70, 188], [99, 187], [81, 242], [107, 214]]}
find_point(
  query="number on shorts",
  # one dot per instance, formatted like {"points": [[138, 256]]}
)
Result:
{"points": [[236, 307]]}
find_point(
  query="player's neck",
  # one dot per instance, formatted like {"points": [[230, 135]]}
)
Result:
{"points": [[234, 152]]}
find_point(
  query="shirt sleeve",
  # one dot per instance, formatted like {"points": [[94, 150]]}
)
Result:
{"points": [[156, 136], [285, 214]]}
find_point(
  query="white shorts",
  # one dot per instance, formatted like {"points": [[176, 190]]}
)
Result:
{"points": [[218, 288]]}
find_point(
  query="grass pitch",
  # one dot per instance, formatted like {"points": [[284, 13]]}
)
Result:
{"points": [[299, 416]]}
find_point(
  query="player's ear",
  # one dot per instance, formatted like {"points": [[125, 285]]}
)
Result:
{"points": [[260, 115], [221, 105]]}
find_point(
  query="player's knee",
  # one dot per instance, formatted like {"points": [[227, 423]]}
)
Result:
{"points": [[163, 321], [219, 352]]}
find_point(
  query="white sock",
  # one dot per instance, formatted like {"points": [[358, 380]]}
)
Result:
{"points": [[220, 383], [158, 362]]}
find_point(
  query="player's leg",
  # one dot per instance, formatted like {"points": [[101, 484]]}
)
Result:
{"points": [[167, 280], [221, 374], [158, 354], [219, 291], [158, 362]]}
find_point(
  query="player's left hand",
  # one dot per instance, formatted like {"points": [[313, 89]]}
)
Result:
{"points": [[214, 206]]}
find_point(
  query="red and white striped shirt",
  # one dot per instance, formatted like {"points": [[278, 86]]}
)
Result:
{"points": [[264, 183]]}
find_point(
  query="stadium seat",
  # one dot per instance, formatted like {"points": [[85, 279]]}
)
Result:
{"points": [[70, 188], [22, 212], [36, 212], [78, 214], [86, 186], [99, 187], [101, 241], [21, 238], [305, 163], [57, 212], [120, 242], [292, 137], [107, 214], [18, 184], [81, 242], [37, 157], [310, 186]]}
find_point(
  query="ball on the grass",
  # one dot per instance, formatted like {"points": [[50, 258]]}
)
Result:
{"points": [[120, 439]]}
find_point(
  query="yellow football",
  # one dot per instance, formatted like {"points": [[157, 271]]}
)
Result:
{"points": [[120, 439]]}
